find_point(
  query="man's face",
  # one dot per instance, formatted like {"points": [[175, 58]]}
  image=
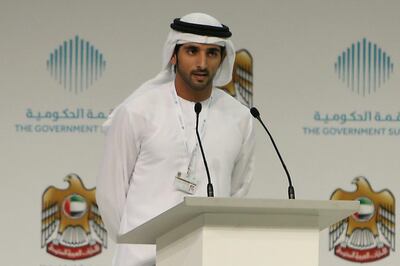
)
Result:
{"points": [[196, 64]]}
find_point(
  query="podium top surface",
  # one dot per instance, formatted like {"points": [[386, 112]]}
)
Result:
{"points": [[317, 214]]}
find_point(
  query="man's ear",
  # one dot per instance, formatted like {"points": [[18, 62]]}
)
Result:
{"points": [[173, 59], [223, 55]]}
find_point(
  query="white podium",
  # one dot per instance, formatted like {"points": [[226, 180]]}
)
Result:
{"points": [[245, 232]]}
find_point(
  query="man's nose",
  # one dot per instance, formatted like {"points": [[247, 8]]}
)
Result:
{"points": [[202, 60]]}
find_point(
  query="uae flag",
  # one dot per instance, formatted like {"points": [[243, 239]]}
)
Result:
{"points": [[367, 209], [75, 206]]}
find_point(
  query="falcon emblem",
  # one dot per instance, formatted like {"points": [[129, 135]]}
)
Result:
{"points": [[241, 85], [69, 218], [369, 234]]}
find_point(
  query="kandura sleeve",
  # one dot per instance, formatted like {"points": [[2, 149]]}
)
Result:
{"points": [[122, 147], [242, 173]]}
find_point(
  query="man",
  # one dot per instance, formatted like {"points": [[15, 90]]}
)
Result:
{"points": [[151, 151]]}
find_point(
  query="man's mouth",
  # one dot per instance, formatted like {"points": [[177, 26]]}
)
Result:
{"points": [[200, 75]]}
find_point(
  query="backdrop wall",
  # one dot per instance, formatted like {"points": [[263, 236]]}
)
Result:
{"points": [[325, 81]]}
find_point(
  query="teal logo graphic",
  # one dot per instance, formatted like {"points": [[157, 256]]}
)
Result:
{"points": [[76, 64], [364, 67]]}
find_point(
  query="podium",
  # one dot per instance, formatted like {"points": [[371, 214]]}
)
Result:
{"points": [[237, 231]]}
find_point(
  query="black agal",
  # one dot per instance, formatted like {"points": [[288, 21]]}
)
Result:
{"points": [[199, 29]]}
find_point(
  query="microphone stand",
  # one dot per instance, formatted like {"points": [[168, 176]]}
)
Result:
{"points": [[256, 114], [210, 189]]}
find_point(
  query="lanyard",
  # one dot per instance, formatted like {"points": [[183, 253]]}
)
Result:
{"points": [[182, 127]]}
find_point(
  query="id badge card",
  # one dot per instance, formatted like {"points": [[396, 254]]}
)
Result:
{"points": [[185, 183]]}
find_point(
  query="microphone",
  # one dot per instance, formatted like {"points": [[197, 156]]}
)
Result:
{"points": [[254, 112], [210, 189]]}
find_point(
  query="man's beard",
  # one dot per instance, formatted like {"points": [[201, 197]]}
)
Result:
{"points": [[190, 79]]}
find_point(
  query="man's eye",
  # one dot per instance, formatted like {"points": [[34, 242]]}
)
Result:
{"points": [[191, 51], [212, 53]]}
